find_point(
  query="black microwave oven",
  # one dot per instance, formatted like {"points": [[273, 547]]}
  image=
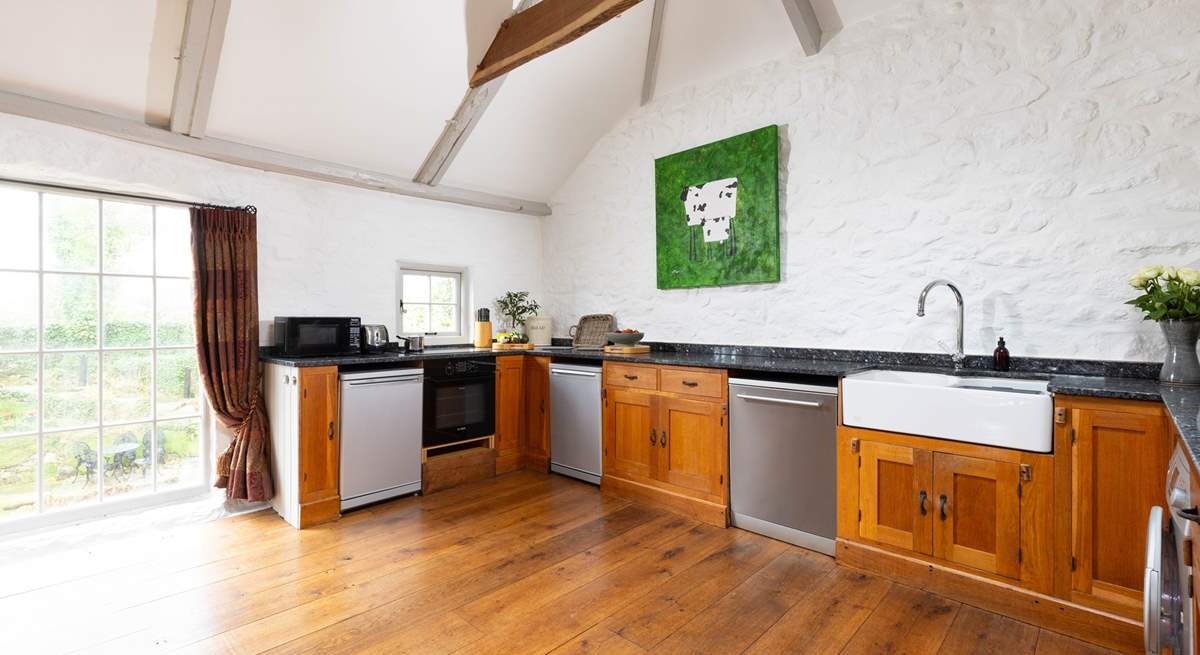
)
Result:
{"points": [[312, 336]]}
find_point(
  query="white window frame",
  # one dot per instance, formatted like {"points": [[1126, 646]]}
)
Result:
{"points": [[464, 300], [104, 507]]}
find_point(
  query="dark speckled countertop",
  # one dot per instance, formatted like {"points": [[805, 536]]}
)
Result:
{"points": [[1125, 380]]}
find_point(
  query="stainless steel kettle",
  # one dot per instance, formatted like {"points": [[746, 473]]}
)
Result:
{"points": [[374, 337]]}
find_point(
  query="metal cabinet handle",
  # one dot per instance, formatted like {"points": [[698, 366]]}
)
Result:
{"points": [[653, 437], [942, 506], [663, 441], [924, 496], [331, 430], [630, 377], [689, 383]]}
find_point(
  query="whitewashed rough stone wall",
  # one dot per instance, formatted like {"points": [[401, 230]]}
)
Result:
{"points": [[323, 249], [1034, 152]]}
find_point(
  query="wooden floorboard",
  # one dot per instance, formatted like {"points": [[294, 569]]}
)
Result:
{"points": [[523, 563]]}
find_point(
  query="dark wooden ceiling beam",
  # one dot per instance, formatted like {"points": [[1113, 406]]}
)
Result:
{"points": [[544, 27]]}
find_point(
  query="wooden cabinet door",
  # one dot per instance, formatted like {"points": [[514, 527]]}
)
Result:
{"points": [[319, 444], [1118, 472], [895, 496], [537, 409], [630, 438], [510, 406], [692, 447], [978, 513]]}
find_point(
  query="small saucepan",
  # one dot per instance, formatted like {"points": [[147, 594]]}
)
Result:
{"points": [[413, 344]]}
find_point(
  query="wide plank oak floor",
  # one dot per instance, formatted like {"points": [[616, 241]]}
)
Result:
{"points": [[524, 563]]}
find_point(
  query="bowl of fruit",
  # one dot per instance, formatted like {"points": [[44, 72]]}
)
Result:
{"points": [[626, 337]]}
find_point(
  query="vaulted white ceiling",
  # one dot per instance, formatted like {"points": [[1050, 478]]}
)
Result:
{"points": [[370, 83]]}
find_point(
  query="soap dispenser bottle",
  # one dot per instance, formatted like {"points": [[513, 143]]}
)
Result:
{"points": [[1000, 356]]}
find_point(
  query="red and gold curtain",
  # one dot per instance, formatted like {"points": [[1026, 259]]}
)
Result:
{"points": [[225, 260]]}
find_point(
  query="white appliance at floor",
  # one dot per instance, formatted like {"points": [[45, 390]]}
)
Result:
{"points": [[575, 419], [1166, 603], [381, 435]]}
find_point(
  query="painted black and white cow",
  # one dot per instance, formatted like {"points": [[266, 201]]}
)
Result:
{"points": [[712, 207]]}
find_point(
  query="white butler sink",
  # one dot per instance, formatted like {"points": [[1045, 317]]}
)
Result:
{"points": [[989, 411]]}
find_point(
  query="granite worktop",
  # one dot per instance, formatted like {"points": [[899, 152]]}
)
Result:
{"points": [[1100, 379]]}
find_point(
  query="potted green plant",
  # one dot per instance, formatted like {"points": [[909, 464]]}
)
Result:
{"points": [[517, 306], [1171, 296]]}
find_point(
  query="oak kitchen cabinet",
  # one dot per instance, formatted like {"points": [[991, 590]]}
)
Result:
{"points": [[1113, 458], [666, 437], [535, 445], [510, 411], [302, 406], [972, 507]]}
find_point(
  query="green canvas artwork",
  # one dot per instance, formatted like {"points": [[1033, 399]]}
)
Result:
{"points": [[717, 212]]}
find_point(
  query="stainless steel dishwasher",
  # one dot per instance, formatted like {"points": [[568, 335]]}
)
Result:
{"points": [[381, 435], [783, 461], [575, 417]]}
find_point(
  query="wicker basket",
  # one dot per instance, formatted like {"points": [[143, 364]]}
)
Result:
{"points": [[592, 331]]}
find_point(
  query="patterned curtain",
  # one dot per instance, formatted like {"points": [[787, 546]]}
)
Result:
{"points": [[225, 261]]}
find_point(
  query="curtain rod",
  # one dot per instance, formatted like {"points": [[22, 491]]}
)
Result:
{"points": [[117, 194]]}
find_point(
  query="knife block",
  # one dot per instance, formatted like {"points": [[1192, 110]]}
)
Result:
{"points": [[483, 334]]}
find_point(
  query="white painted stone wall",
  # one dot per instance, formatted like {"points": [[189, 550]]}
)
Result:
{"points": [[1035, 152], [324, 249]]}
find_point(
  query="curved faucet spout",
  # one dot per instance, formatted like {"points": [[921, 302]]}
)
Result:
{"points": [[958, 353]]}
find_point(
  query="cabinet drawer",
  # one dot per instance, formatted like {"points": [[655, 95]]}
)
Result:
{"points": [[632, 375], [698, 382]]}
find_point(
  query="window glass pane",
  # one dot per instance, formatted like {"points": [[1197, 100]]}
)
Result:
{"points": [[128, 238], [178, 382], [416, 319], [175, 318], [173, 241], [443, 289], [18, 310], [69, 311], [128, 307], [71, 224], [179, 463], [443, 319], [18, 393], [128, 460], [70, 468], [19, 225], [71, 389], [18, 476], [126, 379], [416, 288]]}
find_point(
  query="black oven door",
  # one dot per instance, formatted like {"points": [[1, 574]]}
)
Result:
{"points": [[458, 409]]}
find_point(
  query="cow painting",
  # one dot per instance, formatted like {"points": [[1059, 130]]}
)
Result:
{"points": [[712, 207]]}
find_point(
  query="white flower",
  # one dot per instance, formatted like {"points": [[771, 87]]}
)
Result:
{"points": [[1189, 276], [1143, 276], [1170, 272]]}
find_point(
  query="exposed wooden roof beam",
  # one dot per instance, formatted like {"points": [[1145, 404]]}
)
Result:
{"points": [[254, 157], [650, 76], [475, 101], [199, 55], [804, 22], [544, 27]]}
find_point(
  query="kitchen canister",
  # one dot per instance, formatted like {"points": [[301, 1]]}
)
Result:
{"points": [[539, 330]]}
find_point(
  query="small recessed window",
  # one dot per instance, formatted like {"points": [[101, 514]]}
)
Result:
{"points": [[431, 300]]}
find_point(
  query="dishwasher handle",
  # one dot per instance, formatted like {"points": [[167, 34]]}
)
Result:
{"points": [[582, 374], [389, 380], [781, 401]]}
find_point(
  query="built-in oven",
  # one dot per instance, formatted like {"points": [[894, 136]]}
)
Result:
{"points": [[460, 400], [315, 336]]}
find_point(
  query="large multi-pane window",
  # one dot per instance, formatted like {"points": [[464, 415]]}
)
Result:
{"points": [[99, 390]]}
